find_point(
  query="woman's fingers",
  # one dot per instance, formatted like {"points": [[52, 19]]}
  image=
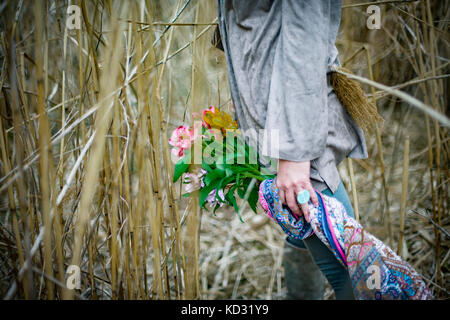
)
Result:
{"points": [[282, 198], [289, 185], [313, 198], [291, 201], [305, 210], [313, 195]]}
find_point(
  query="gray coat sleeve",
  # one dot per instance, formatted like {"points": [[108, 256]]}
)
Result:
{"points": [[278, 53], [297, 105]]}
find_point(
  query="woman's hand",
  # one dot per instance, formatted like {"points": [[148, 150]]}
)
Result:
{"points": [[293, 177]]}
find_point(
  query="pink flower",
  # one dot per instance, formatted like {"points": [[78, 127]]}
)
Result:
{"points": [[182, 138]]}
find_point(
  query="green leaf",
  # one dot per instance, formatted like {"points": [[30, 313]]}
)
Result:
{"points": [[180, 167], [216, 207], [241, 192], [225, 181], [238, 179], [213, 175], [220, 166], [206, 166], [238, 168], [228, 172], [231, 199], [253, 199]]}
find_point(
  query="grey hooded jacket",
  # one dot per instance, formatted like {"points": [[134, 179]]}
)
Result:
{"points": [[278, 55]]}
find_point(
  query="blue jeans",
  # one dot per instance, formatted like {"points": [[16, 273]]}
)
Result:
{"points": [[335, 273]]}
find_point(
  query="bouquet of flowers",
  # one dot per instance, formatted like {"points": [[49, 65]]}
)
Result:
{"points": [[213, 159]]}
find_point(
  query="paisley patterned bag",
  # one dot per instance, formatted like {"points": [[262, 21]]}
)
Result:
{"points": [[376, 272]]}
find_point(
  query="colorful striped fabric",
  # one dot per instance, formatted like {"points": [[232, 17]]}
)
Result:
{"points": [[376, 272]]}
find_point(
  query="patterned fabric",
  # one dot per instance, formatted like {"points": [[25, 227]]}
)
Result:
{"points": [[376, 272], [269, 200]]}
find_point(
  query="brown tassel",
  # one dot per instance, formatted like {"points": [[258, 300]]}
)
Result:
{"points": [[353, 98]]}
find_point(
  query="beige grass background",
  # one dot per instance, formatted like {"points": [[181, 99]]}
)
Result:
{"points": [[85, 170]]}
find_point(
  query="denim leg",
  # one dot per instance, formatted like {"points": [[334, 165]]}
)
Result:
{"points": [[342, 196], [335, 273]]}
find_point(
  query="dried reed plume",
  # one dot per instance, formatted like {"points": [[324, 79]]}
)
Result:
{"points": [[353, 98]]}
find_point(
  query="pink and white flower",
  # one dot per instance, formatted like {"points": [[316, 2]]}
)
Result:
{"points": [[212, 199], [194, 180], [182, 138]]}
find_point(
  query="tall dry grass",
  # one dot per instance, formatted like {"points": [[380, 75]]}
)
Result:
{"points": [[85, 159], [85, 174]]}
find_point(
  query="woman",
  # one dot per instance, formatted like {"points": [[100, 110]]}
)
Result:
{"points": [[279, 56]]}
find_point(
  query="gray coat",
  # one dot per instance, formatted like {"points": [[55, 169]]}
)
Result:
{"points": [[278, 55]]}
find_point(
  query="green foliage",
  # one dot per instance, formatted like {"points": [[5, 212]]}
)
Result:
{"points": [[229, 169], [181, 167], [230, 176]]}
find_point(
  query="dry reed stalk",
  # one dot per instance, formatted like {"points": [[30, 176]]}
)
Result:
{"points": [[175, 236], [147, 168], [380, 155], [12, 206], [136, 202], [173, 207], [404, 197], [429, 137], [167, 162], [109, 82], [31, 130], [354, 190], [174, 218], [114, 210], [440, 117], [193, 219], [58, 227], [436, 105], [158, 222], [20, 154], [90, 39], [125, 185], [353, 56]]}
